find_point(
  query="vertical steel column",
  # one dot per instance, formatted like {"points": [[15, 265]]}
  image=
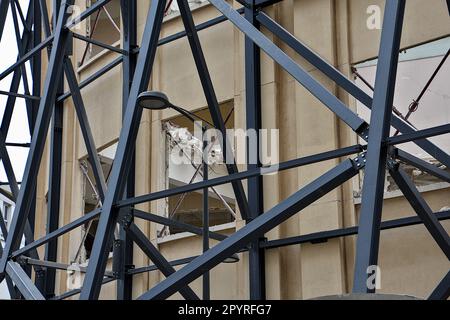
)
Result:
{"points": [[129, 14], [43, 118], [4, 4], [54, 192], [125, 148], [211, 99], [255, 185], [373, 188], [206, 276], [36, 69]]}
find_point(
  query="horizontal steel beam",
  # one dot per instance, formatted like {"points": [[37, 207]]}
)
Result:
{"points": [[99, 43], [174, 223], [53, 265], [243, 175], [198, 27], [93, 77], [74, 292], [57, 233], [86, 14], [19, 95], [323, 236], [419, 135], [316, 237]]}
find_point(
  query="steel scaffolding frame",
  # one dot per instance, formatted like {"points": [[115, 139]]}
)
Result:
{"points": [[45, 106]]}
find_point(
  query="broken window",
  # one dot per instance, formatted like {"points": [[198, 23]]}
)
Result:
{"points": [[6, 212], [172, 6], [422, 111], [183, 166], [91, 199], [103, 26]]}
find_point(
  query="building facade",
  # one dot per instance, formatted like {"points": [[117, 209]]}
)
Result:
{"points": [[346, 34]]}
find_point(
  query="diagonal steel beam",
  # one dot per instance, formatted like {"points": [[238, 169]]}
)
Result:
{"points": [[421, 164], [288, 64], [4, 4], [37, 146], [87, 13], [442, 291], [158, 259], [125, 150], [27, 56], [340, 79], [57, 233], [26, 287], [373, 188], [21, 49], [14, 87], [169, 222], [85, 128], [254, 229], [213, 104], [422, 209]]}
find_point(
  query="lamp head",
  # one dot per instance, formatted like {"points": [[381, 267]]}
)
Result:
{"points": [[233, 259], [153, 100]]}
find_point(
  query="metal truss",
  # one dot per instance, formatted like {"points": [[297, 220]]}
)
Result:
{"points": [[45, 107]]}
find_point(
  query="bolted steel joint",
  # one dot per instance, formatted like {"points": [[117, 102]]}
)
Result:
{"points": [[126, 220]]}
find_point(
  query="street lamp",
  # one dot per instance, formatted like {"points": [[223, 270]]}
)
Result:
{"points": [[155, 100]]}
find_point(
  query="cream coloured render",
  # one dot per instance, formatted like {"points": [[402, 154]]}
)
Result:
{"points": [[410, 261]]}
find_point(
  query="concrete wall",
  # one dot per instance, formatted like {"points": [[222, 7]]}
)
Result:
{"points": [[337, 31]]}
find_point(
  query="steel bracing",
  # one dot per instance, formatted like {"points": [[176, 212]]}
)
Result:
{"points": [[45, 110]]}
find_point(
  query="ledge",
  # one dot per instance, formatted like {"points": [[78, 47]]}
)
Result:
{"points": [[185, 235], [398, 193]]}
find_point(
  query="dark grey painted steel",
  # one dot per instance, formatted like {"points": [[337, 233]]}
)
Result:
{"points": [[124, 153], [373, 187]]}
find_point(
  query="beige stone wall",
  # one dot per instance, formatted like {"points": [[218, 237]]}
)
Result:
{"points": [[337, 30]]}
